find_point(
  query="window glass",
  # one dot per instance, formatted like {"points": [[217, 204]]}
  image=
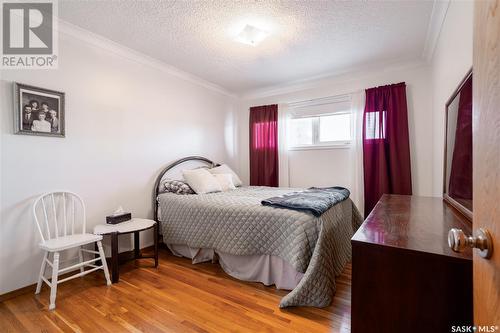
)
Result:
{"points": [[301, 131], [336, 127], [375, 125]]}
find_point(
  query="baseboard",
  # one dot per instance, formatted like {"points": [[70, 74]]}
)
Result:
{"points": [[18, 292], [122, 257]]}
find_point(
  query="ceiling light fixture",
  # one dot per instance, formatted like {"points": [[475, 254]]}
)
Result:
{"points": [[251, 35]]}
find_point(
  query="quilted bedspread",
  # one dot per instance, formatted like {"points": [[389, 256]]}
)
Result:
{"points": [[235, 222]]}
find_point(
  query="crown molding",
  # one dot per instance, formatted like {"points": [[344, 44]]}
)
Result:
{"points": [[136, 56], [438, 15], [322, 80]]}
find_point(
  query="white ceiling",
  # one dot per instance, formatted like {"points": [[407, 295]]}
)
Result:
{"points": [[307, 38]]}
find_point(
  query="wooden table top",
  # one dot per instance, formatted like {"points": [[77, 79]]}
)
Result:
{"points": [[413, 223]]}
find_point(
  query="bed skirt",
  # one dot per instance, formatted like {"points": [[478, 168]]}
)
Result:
{"points": [[267, 269]]}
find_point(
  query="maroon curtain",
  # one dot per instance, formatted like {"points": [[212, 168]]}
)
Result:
{"points": [[386, 148], [264, 145], [460, 185]]}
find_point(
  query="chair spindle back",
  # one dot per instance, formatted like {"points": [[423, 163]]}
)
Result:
{"points": [[59, 214]]}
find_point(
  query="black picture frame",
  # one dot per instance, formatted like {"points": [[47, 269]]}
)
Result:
{"points": [[28, 119]]}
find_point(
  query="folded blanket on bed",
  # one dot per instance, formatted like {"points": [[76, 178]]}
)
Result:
{"points": [[315, 199]]}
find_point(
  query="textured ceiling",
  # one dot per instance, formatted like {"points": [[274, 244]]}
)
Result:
{"points": [[307, 38]]}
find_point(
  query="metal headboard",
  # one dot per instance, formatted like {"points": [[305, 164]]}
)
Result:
{"points": [[167, 168]]}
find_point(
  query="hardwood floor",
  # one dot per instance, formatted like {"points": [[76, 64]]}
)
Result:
{"points": [[175, 297]]}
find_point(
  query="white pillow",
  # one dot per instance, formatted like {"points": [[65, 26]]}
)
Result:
{"points": [[225, 169], [201, 181], [225, 180]]}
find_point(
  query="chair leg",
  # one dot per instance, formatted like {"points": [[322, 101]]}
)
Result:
{"points": [[53, 282], [80, 257], [42, 272], [104, 264]]}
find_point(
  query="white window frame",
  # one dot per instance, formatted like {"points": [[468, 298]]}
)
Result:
{"points": [[342, 144]]}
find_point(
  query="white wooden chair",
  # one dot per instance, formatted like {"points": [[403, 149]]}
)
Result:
{"points": [[63, 228]]}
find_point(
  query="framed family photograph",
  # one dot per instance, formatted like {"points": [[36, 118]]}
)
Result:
{"points": [[38, 111]]}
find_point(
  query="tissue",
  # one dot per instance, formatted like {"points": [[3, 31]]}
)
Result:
{"points": [[118, 211]]}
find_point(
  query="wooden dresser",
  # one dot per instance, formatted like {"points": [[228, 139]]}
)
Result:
{"points": [[405, 278]]}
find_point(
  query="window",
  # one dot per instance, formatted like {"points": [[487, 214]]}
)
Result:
{"points": [[375, 125], [301, 130], [320, 131], [335, 128]]}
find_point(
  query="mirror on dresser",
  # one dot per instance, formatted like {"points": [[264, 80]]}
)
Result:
{"points": [[457, 189]]}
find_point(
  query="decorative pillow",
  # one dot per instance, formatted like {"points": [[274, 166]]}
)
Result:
{"points": [[201, 181], [176, 186], [225, 180], [225, 169]]}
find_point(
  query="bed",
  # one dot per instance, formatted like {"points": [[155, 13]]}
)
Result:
{"points": [[291, 249]]}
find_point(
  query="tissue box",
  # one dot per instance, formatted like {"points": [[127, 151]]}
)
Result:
{"points": [[115, 219]]}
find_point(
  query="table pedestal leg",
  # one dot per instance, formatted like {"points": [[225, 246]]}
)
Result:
{"points": [[155, 237], [115, 273], [137, 250]]}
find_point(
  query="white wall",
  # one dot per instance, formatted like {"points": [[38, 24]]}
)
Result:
{"points": [[124, 122], [451, 61], [331, 167]]}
